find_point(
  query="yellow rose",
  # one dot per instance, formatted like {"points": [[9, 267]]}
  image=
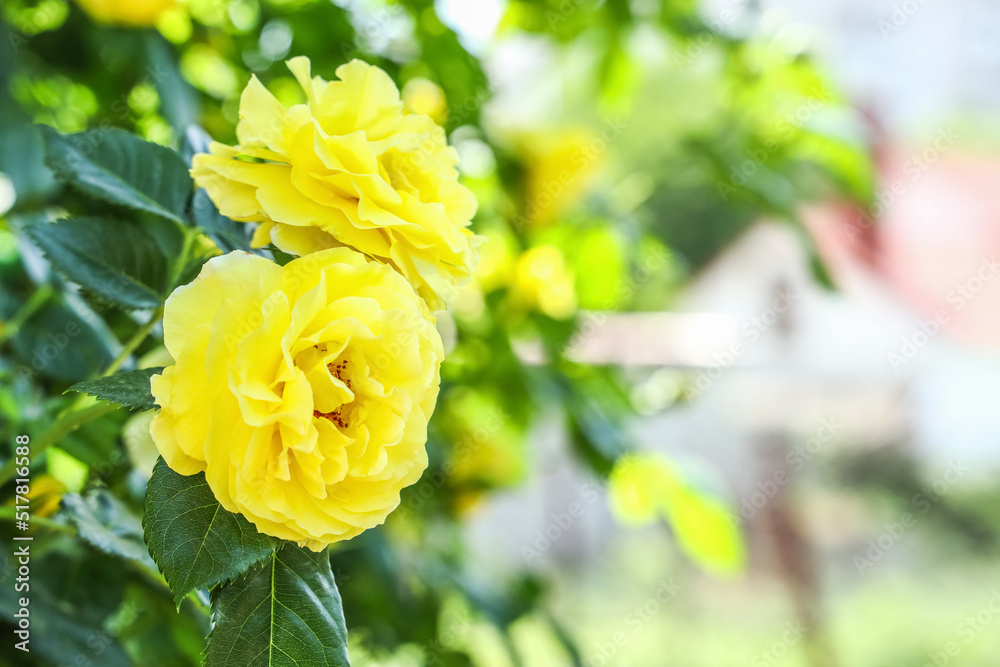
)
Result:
{"points": [[349, 167], [135, 13], [303, 392]]}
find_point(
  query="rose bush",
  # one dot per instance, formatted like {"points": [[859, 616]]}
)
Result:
{"points": [[303, 392]]}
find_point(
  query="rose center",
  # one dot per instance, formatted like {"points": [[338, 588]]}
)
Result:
{"points": [[339, 371]]}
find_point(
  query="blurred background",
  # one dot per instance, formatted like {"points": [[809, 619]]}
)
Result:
{"points": [[723, 389]]}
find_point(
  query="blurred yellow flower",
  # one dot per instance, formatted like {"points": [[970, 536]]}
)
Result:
{"points": [[559, 167], [134, 13], [498, 461], [468, 502], [543, 282], [350, 167], [496, 260], [423, 96], [303, 392], [494, 270], [487, 450], [209, 70], [46, 493]]}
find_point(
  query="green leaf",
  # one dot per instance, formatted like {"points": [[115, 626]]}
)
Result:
{"points": [[129, 388], [595, 429], [194, 541], [646, 486], [116, 167], [68, 470], [817, 265], [115, 259], [57, 342], [178, 99], [105, 522], [705, 531], [228, 234], [285, 612], [21, 153]]}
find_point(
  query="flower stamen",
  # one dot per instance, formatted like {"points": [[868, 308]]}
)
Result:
{"points": [[337, 370], [334, 417]]}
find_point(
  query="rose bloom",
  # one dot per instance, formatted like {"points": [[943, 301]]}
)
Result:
{"points": [[134, 13], [303, 392], [350, 167]]}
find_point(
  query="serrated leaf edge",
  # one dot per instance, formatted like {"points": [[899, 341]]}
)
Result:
{"points": [[77, 388], [154, 302], [212, 586], [151, 205]]}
